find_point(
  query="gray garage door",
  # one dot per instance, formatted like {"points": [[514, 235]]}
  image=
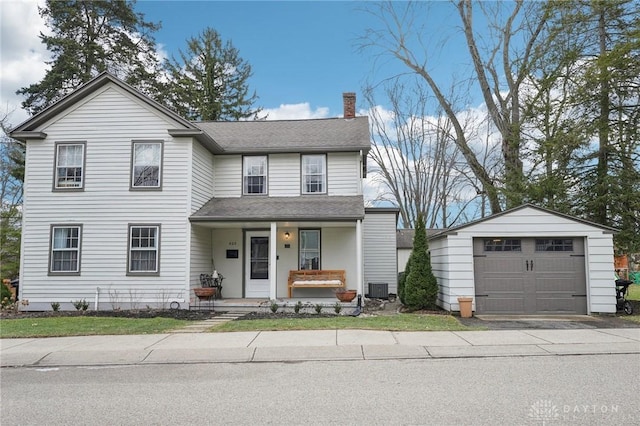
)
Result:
{"points": [[530, 276]]}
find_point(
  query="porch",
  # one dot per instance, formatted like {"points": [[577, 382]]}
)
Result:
{"points": [[284, 304]]}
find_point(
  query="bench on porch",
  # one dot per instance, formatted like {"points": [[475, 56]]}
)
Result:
{"points": [[316, 278]]}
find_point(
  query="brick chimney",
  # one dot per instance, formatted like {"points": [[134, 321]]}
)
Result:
{"points": [[349, 103]]}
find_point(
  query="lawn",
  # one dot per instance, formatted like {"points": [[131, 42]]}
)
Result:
{"points": [[634, 292], [399, 322], [85, 326]]}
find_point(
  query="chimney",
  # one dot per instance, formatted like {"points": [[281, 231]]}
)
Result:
{"points": [[349, 103]]}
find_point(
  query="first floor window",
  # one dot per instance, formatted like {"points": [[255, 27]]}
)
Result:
{"points": [[254, 174], [309, 249], [65, 249], [69, 166], [143, 248], [146, 165]]}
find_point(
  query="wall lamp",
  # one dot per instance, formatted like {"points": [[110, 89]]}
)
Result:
{"points": [[287, 235]]}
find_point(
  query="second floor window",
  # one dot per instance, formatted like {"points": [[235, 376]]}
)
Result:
{"points": [[254, 175], [69, 166], [146, 165], [314, 174]]}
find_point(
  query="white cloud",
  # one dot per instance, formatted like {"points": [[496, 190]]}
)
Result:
{"points": [[299, 111], [23, 55]]}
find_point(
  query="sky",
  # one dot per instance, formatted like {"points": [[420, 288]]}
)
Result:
{"points": [[304, 54]]}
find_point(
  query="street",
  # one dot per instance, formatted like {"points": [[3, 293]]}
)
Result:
{"points": [[549, 390]]}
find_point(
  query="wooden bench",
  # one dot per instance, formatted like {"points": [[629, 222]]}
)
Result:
{"points": [[313, 278]]}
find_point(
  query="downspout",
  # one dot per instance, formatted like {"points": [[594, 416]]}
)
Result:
{"points": [[95, 306]]}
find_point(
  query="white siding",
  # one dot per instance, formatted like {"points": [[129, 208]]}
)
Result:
{"points": [[202, 181], [343, 173], [227, 176], [284, 175], [453, 254], [201, 255], [379, 250], [108, 121], [403, 259]]}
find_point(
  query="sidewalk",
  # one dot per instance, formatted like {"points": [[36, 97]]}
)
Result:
{"points": [[322, 345]]}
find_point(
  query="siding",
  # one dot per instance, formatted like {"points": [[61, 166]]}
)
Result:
{"points": [[108, 121], [379, 250], [454, 254], [202, 181], [343, 173], [227, 176], [201, 255], [284, 175]]}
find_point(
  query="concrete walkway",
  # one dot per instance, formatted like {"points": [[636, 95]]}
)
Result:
{"points": [[325, 345]]}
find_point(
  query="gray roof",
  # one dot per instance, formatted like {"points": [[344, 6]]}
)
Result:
{"points": [[260, 208], [319, 135], [404, 237]]}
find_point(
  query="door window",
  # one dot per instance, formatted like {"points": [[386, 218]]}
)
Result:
{"points": [[259, 258]]}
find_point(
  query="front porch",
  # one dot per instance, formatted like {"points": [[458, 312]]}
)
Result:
{"points": [[284, 304]]}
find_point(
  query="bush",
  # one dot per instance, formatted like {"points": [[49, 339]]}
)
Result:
{"points": [[5, 292], [420, 287]]}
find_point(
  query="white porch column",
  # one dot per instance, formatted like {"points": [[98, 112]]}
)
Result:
{"points": [[359, 259], [273, 259]]}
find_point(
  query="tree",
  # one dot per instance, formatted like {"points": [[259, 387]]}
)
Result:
{"points": [[590, 72], [421, 286], [11, 180], [89, 37], [209, 81], [498, 73], [415, 156]]}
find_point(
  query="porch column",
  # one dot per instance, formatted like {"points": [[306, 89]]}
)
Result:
{"points": [[359, 261], [273, 258]]}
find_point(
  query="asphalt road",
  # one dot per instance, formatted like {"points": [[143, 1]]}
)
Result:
{"points": [[584, 390]]}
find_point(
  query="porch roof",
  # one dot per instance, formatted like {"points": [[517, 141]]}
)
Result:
{"points": [[260, 208]]}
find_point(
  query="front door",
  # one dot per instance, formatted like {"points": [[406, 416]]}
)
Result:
{"points": [[257, 264]]}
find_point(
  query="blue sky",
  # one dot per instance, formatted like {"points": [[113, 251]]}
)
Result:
{"points": [[304, 54]]}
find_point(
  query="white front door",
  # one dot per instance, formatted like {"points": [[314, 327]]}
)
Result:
{"points": [[256, 264]]}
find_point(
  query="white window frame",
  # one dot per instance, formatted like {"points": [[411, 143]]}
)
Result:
{"points": [[255, 166], [141, 247], [306, 174], [305, 250], [62, 180], [72, 244], [139, 182]]}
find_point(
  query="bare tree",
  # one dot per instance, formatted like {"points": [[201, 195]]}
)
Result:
{"points": [[417, 163], [498, 72]]}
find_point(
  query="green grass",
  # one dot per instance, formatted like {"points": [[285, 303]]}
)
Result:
{"points": [[84, 326], [399, 322]]}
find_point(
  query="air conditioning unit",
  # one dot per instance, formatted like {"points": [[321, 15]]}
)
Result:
{"points": [[378, 291]]}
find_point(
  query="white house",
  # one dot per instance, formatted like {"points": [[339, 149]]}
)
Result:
{"points": [[126, 204], [526, 260]]}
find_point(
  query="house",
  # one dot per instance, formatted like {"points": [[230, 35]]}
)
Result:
{"points": [[526, 260], [126, 203]]}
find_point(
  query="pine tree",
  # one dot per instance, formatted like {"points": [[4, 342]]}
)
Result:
{"points": [[209, 81], [421, 286], [89, 37]]}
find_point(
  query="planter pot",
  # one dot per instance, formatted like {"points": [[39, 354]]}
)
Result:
{"points": [[465, 307], [346, 296], [205, 293]]}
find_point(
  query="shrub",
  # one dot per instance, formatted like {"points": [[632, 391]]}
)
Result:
{"points": [[420, 287], [5, 292], [297, 307], [274, 307], [337, 307], [55, 306], [318, 308]]}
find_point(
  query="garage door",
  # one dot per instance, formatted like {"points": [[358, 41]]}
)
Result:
{"points": [[530, 276]]}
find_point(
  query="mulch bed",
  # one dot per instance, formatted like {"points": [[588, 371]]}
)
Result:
{"points": [[180, 314]]}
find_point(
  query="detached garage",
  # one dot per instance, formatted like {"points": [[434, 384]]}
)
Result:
{"points": [[526, 260]]}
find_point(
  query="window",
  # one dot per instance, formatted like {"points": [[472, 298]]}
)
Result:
{"points": [[144, 243], [69, 166], [309, 249], [498, 244], [65, 249], [255, 175], [314, 174], [146, 165], [554, 244]]}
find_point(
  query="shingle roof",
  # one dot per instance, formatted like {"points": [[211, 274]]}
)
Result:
{"points": [[404, 237], [258, 208], [321, 135]]}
